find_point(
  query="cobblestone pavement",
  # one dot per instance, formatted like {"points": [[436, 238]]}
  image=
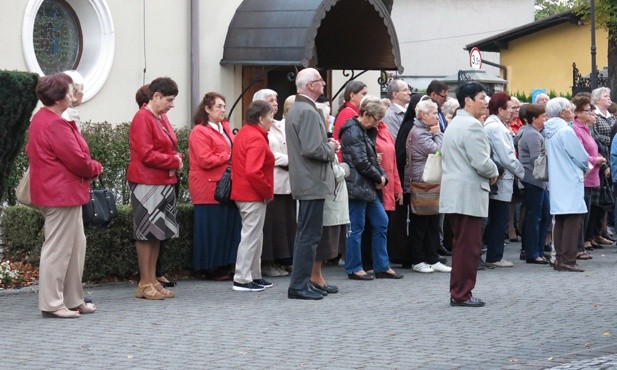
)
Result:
{"points": [[535, 318]]}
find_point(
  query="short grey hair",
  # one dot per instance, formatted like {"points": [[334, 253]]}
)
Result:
{"points": [[556, 106], [425, 106], [303, 78], [393, 87], [450, 106], [372, 106], [77, 78], [596, 93], [263, 94]]}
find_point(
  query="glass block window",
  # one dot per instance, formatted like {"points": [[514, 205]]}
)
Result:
{"points": [[57, 37]]}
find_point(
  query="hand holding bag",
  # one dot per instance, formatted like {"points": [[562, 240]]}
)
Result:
{"points": [[424, 198], [606, 200], [22, 191], [222, 192], [101, 208], [432, 169]]}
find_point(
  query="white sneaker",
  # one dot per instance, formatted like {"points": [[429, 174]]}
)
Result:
{"points": [[422, 267], [440, 267], [502, 263], [341, 262], [270, 270], [281, 270]]}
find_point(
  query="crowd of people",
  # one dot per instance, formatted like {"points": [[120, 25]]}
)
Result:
{"points": [[348, 187]]}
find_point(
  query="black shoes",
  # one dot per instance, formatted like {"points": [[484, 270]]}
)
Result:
{"points": [[387, 275], [471, 302], [263, 283], [442, 251], [167, 284], [305, 293], [563, 267], [323, 289], [365, 277], [248, 287]]}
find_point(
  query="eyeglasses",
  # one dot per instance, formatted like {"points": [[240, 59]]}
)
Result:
{"points": [[515, 108], [586, 110], [443, 96], [315, 81]]}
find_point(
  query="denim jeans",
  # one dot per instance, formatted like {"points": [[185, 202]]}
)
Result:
{"points": [[494, 234], [359, 211], [537, 220]]}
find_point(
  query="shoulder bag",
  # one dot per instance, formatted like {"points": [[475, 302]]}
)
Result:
{"points": [[540, 167], [101, 208], [22, 191], [432, 169], [424, 198]]}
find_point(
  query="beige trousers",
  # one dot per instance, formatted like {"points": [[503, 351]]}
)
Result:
{"points": [[248, 260], [62, 259]]}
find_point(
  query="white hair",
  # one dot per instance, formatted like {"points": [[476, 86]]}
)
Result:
{"points": [[425, 106], [263, 94], [556, 106], [597, 93], [77, 78], [304, 77]]}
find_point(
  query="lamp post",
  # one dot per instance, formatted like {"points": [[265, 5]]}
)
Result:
{"points": [[594, 68]]}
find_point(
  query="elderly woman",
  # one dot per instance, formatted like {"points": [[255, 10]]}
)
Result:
{"points": [[424, 138], [72, 113], [568, 163], [355, 91], [280, 223], [583, 123], [500, 108], [601, 98], [152, 175], [364, 186], [252, 179], [537, 216], [216, 232], [61, 170]]}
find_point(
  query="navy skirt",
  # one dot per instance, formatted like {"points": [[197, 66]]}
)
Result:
{"points": [[216, 236]]}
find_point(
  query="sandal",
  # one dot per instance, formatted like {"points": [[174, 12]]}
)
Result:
{"points": [[85, 308], [166, 292], [583, 256], [63, 313], [148, 291]]}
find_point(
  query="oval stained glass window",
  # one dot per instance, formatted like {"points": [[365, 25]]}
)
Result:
{"points": [[57, 37]]}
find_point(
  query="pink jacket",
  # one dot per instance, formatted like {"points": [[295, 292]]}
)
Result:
{"points": [[60, 164], [385, 145], [592, 180]]}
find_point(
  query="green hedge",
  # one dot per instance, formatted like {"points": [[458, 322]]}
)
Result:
{"points": [[17, 100], [110, 250]]}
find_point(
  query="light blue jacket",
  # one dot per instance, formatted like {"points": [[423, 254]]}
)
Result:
{"points": [[613, 160], [567, 164]]}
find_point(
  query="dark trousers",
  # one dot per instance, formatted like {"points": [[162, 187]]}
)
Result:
{"points": [[466, 245], [308, 234], [424, 238], [592, 221], [537, 220], [566, 237], [498, 215]]}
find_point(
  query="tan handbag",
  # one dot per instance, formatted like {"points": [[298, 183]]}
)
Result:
{"points": [[424, 198], [22, 191]]}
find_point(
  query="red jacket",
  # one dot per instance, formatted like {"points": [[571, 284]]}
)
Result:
{"points": [[252, 166], [153, 150], [209, 155], [60, 164], [350, 111], [385, 145]]}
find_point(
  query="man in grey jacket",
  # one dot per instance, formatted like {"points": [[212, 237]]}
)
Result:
{"points": [[310, 175], [467, 172]]}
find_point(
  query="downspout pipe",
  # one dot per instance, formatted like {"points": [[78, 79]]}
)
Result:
{"points": [[500, 66], [195, 52]]}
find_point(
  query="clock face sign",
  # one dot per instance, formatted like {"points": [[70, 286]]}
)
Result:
{"points": [[475, 58]]}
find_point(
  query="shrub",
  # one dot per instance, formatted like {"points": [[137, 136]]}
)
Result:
{"points": [[110, 251]]}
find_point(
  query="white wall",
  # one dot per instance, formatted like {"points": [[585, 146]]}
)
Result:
{"points": [[433, 33]]}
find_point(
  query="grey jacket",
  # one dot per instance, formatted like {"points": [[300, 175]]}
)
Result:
{"points": [[467, 167], [502, 144], [393, 119], [420, 143], [310, 156], [530, 144]]}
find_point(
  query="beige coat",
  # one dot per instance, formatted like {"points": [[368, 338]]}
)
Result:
{"points": [[467, 167], [276, 137]]}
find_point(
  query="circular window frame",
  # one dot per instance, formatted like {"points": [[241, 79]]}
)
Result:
{"points": [[97, 30]]}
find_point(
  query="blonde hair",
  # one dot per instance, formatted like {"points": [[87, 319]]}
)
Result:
{"points": [[287, 105]]}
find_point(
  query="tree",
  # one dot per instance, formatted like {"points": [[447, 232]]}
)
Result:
{"points": [[547, 8]]}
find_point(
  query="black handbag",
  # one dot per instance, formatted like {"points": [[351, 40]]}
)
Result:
{"points": [[100, 209], [222, 192], [605, 199]]}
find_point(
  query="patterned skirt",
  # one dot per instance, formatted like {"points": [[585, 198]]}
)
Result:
{"points": [[154, 212]]}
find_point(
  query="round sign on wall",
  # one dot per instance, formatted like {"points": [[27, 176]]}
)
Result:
{"points": [[475, 58]]}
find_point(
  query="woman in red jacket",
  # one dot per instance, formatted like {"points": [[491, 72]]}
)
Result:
{"points": [[355, 91], [61, 170], [216, 231], [152, 174], [252, 187]]}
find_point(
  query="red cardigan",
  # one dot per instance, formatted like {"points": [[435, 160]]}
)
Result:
{"points": [[385, 145], [350, 111], [209, 155], [252, 166], [153, 151], [60, 164]]}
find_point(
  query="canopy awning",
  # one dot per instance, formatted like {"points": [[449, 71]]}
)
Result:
{"points": [[325, 34]]}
